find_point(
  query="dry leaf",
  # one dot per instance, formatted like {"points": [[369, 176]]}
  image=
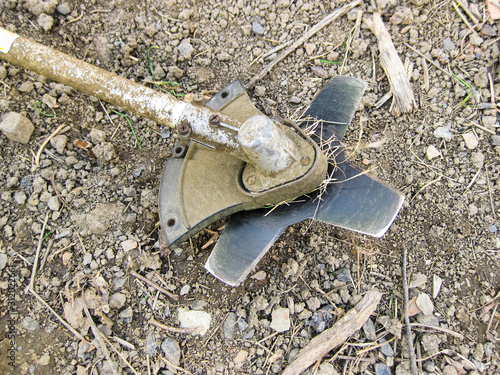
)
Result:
{"points": [[85, 146], [413, 309]]}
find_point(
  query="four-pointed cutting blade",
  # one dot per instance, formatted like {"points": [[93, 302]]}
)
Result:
{"points": [[354, 200]]}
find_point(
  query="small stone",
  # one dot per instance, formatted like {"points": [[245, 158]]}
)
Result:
{"points": [[382, 369], [257, 28], [185, 14], [117, 300], [448, 44], [343, 274], [387, 350], [97, 136], [476, 40], [280, 320], [477, 159], [128, 245], [64, 9], [319, 71], [470, 140], [489, 121], [26, 87], [3, 260], [492, 228], [436, 285], [260, 91], [54, 204], [151, 344], [137, 172], [495, 140], [259, 276], [242, 325], [44, 360], [309, 47], [45, 22], [185, 49], [369, 330], [20, 197], [59, 143], [126, 315], [432, 152], [442, 132], [229, 326], [172, 351], [240, 357], [424, 303], [185, 290], [295, 100], [417, 280], [17, 127], [429, 320], [194, 319], [247, 30], [30, 324], [450, 370]]}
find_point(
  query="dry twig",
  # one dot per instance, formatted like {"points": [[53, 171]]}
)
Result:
{"points": [[352, 321], [157, 287], [47, 140], [313, 30], [37, 254], [413, 360], [156, 323]]}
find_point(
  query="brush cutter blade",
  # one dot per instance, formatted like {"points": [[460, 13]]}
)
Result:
{"points": [[353, 200]]}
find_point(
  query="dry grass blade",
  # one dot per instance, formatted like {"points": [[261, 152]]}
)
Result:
{"points": [[37, 254], [164, 327], [47, 140], [403, 99], [157, 287]]}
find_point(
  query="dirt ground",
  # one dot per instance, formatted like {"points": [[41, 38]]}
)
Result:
{"points": [[102, 218]]}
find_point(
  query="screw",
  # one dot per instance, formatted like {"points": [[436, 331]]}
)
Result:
{"points": [[198, 99], [214, 119], [251, 180], [184, 129], [305, 161]]}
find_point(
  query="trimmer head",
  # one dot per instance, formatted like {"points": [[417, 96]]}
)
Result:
{"points": [[351, 199]]}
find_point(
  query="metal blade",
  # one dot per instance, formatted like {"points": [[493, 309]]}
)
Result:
{"points": [[335, 106], [354, 201]]}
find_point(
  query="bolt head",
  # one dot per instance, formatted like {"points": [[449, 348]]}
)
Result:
{"points": [[214, 119], [305, 161], [251, 180], [184, 129]]}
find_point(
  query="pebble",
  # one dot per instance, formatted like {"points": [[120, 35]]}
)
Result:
{"points": [[194, 319], [450, 370], [117, 300], [295, 100], [151, 344], [429, 320], [26, 182], [343, 274], [436, 285], [424, 303], [64, 9], [260, 91], [259, 276], [492, 228], [20, 197], [448, 44], [240, 357], [185, 14], [126, 315], [369, 330], [137, 172], [26, 87], [477, 159], [54, 204], [59, 143], [417, 280], [442, 132], [172, 351], [3, 260], [30, 324], [495, 140], [382, 369], [326, 369], [387, 350], [45, 22], [319, 71], [128, 245], [185, 290], [229, 327], [257, 28], [476, 40], [185, 49], [242, 324], [280, 320], [470, 140], [432, 152], [309, 47], [17, 127]]}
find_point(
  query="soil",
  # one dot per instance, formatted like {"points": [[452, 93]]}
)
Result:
{"points": [[102, 215]]}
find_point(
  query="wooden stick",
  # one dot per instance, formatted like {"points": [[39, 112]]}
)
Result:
{"points": [[445, 330], [413, 360], [156, 323], [157, 287], [313, 30], [402, 99], [319, 346]]}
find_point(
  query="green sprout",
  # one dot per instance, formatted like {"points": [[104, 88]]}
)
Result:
{"points": [[138, 144], [41, 112], [172, 85]]}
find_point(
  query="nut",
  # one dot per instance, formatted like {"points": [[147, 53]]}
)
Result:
{"points": [[198, 99], [305, 161], [251, 180], [184, 129]]}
